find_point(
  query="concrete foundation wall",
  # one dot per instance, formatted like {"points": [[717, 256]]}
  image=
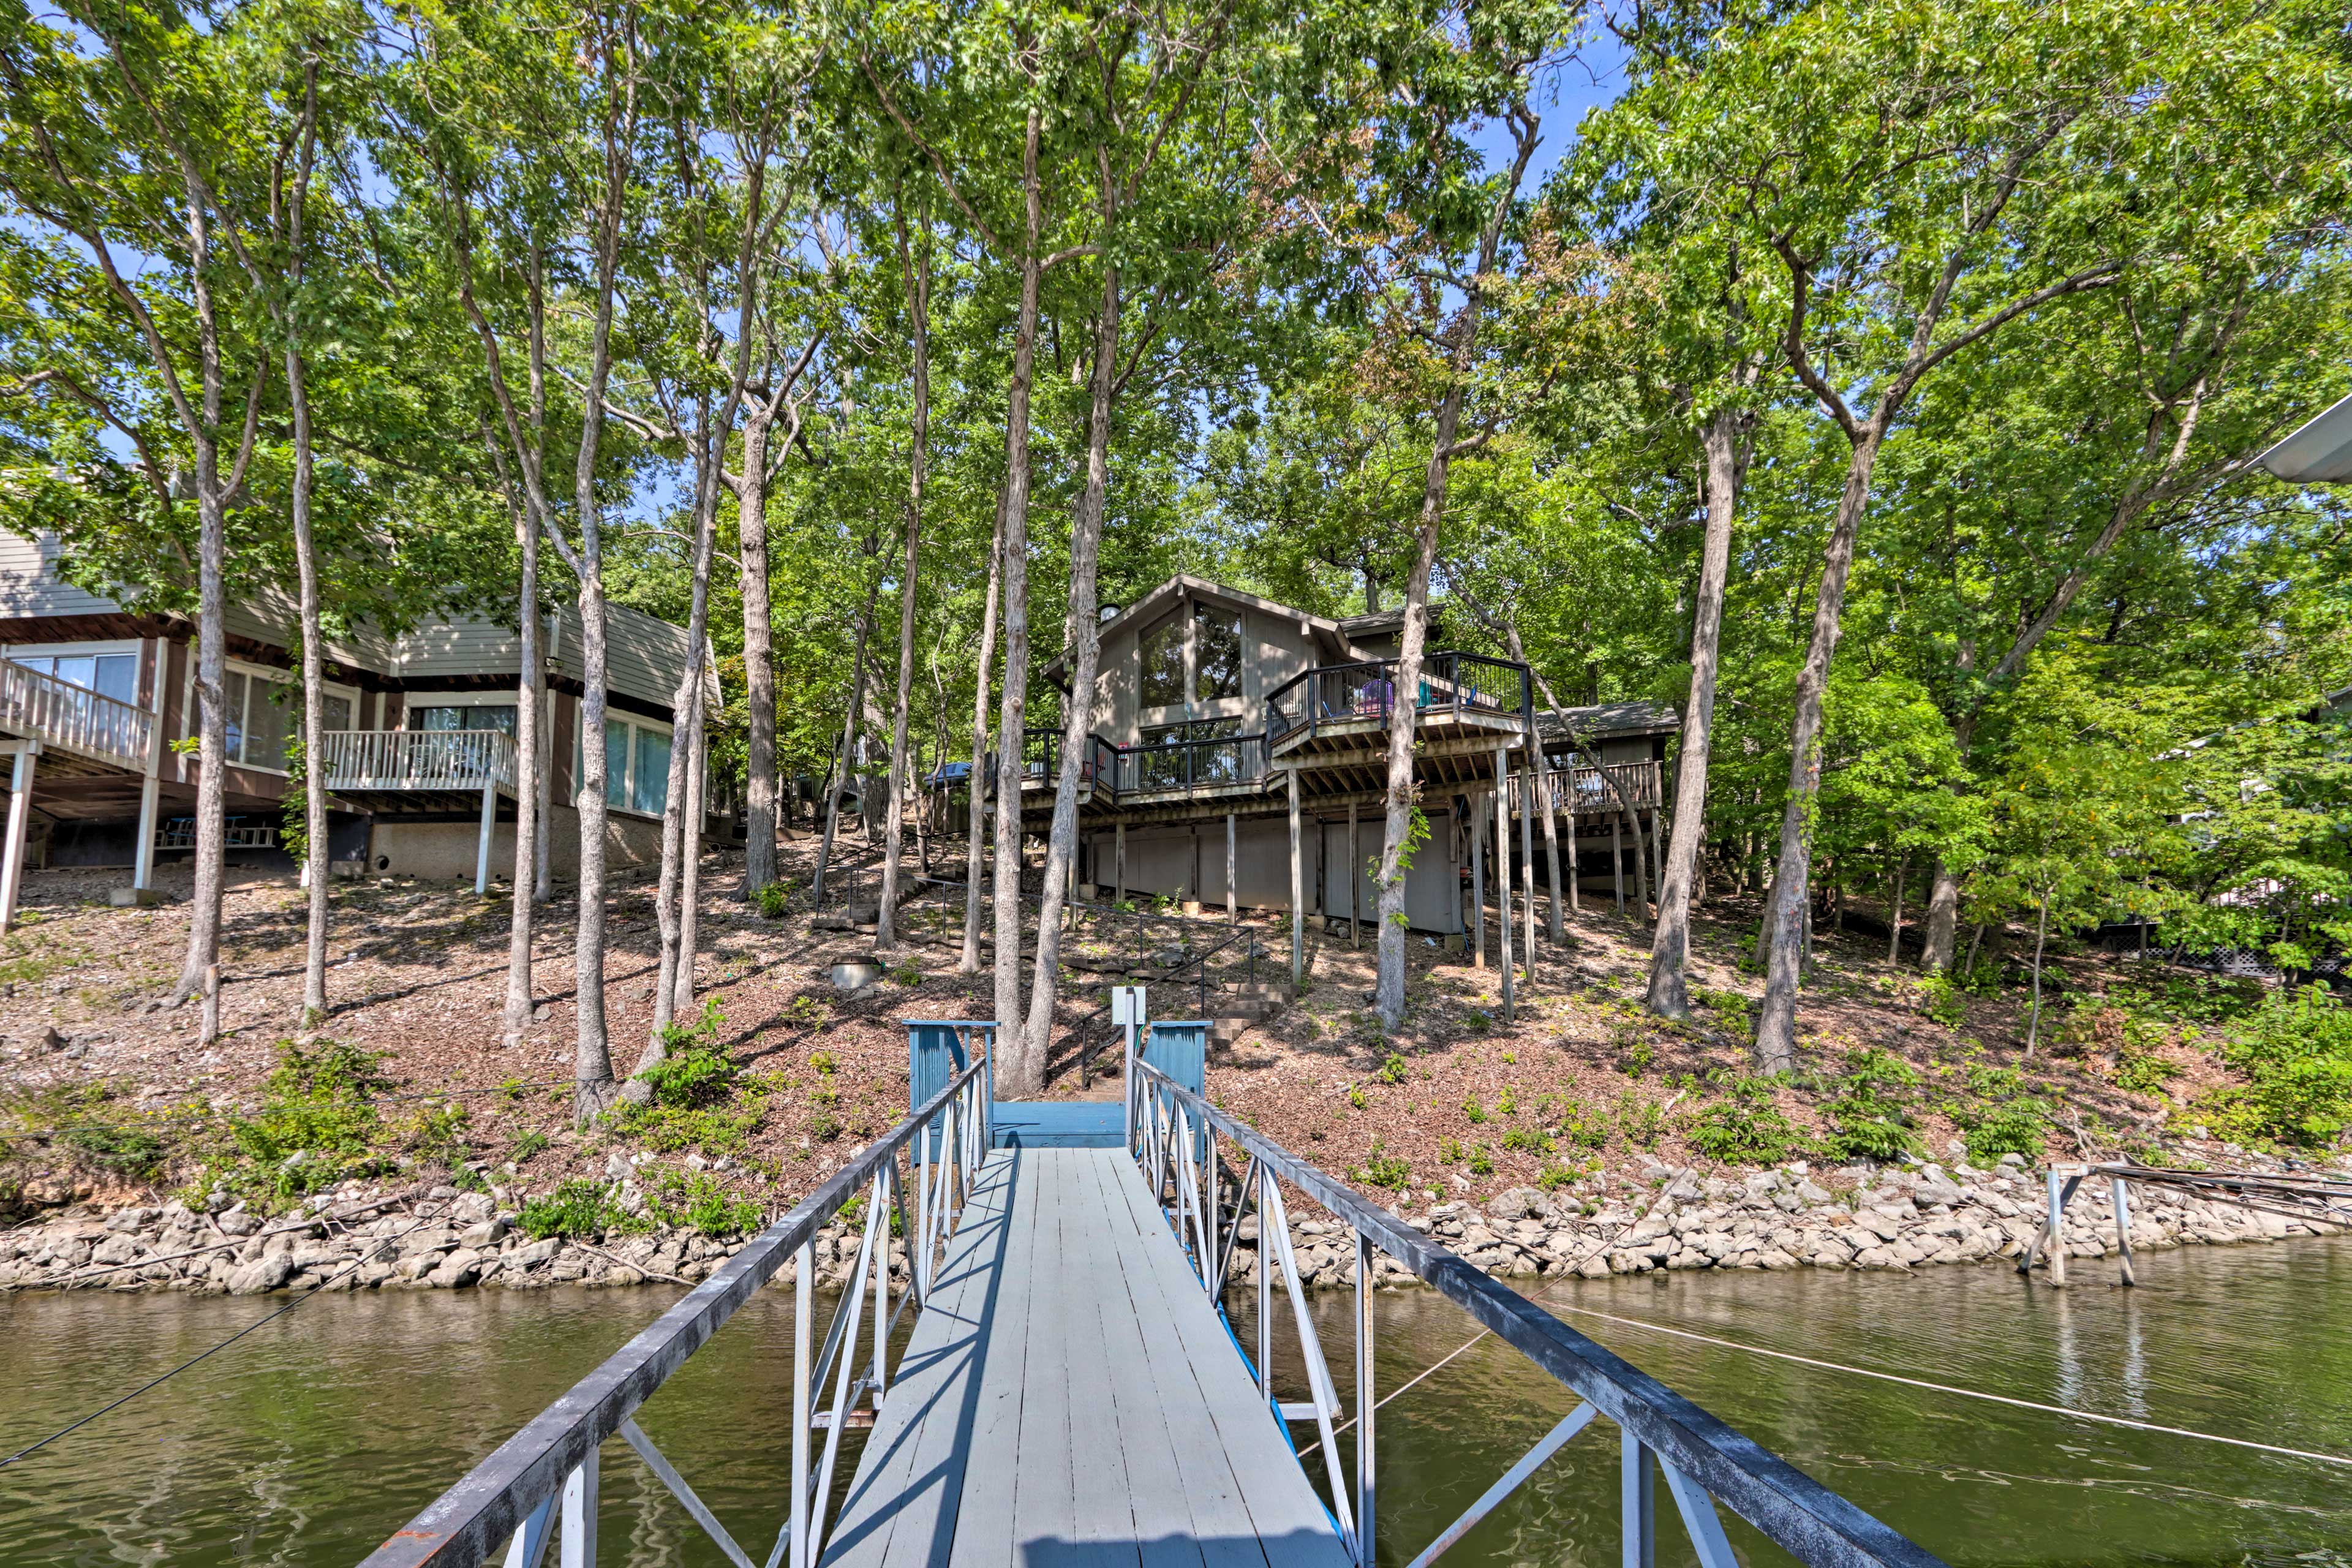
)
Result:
{"points": [[1189, 863], [445, 850]]}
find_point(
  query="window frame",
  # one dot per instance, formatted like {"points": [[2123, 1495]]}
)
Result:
{"points": [[632, 723], [275, 677], [108, 648]]}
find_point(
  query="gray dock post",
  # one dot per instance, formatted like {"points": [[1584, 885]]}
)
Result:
{"points": [[2123, 1228]]}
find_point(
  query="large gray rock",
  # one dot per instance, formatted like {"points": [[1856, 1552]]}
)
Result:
{"points": [[457, 1270], [263, 1275]]}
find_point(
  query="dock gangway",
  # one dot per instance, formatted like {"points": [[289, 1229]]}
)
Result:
{"points": [[1071, 1391]]}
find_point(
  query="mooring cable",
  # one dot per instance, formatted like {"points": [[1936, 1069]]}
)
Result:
{"points": [[366, 1254], [2091, 1416]]}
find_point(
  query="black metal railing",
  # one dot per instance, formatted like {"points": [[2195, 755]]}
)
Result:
{"points": [[1190, 764], [1175, 1134], [1449, 683]]}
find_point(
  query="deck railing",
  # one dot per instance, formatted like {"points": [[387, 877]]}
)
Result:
{"points": [[1449, 683], [1190, 764], [1174, 1135], [543, 1482], [74, 717], [414, 759], [1586, 789]]}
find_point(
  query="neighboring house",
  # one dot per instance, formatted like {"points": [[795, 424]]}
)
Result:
{"points": [[1240, 747], [418, 753]]}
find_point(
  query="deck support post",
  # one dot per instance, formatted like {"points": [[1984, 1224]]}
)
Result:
{"points": [[1526, 793], [1551, 849], [1264, 1286], [1503, 881], [1639, 1510], [142, 854], [1233, 894], [20, 810], [1298, 894], [2123, 1226], [482, 845], [1118, 863], [1617, 855], [1575, 868], [1654, 872], [1477, 889], [1355, 882]]}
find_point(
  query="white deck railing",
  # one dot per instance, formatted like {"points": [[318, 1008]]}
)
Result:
{"points": [[74, 718], [414, 759]]}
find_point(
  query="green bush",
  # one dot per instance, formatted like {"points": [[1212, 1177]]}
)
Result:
{"points": [[700, 1096], [696, 1198], [1481, 1160], [1384, 1170], [1641, 1119], [1392, 1071], [579, 1210], [2009, 1127], [773, 900], [2295, 1051], [1943, 1000], [318, 1126], [1745, 1127], [1528, 1140], [1474, 1110], [1868, 1111]]}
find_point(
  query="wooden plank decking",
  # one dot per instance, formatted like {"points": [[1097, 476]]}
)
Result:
{"points": [[1070, 1397]]}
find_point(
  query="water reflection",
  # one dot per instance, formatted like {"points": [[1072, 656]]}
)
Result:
{"points": [[311, 1440]]}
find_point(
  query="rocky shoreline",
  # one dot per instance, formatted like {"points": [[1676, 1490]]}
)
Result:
{"points": [[1658, 1219]]}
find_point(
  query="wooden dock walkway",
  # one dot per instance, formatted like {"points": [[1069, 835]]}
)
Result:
{"points": [[1069, 1396]]}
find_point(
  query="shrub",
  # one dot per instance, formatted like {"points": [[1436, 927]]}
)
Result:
{"points": [[1643, 1120], [1481, 1162], [699, 1097], [1392, 1071], [1943, 1002], [317, 1126], [2295, 1051], [773, 900], [1581, 1126], [1555, 1176], [580, 1210], [1384, 1169], [1868, 1111], [696, 1198], [125, 1151], [1528, 1140], [1449, 1150], [2011, 1127], [1746, 1128], [1474, 1110]]}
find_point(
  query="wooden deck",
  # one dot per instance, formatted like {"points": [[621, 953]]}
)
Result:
{"points": [[1070, 1397]]}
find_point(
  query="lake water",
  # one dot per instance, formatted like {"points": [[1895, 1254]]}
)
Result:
{"points": [[313, 1438]]}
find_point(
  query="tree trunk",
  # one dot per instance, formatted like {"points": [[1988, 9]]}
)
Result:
{"points": [[1776, 1029], [314, 717], [1402, 799], [529, 779], [975, 782], [837, 776], [1012, 715], [1941, 938], [2040, 935], [1894, 909], [689, 884], [1669, 994], [681, 836], [212, 738], [1028, 1062], [759, 653], [918, 268], [1551, 847]]}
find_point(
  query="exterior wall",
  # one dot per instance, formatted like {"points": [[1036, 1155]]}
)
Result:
{"points": [[1273, 649], [445, 850], [1189, 863]]}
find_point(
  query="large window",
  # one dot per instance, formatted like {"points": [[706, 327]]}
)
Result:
{"points": [[637, 766], [1217, 653], [261, 715], [1163, 665], [1166, 761], [114, 675], [1212, 658], [482, 715]]}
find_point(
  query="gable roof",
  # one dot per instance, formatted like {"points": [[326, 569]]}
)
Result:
{"points": [[1147, 608], [1608, 720]]}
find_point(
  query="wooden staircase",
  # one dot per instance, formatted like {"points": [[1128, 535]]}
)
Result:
{"points": [[1243, 1009]]}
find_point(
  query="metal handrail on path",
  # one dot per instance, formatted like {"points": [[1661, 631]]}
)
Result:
{"points": [[1174, 1136], [543, 1482]]}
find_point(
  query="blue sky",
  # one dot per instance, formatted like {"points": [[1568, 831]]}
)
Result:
{"points": [[1595, 78]]}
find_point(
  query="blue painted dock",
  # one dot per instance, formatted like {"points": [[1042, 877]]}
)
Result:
{"points": [[1070, 1397], [1058, 1124]]}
